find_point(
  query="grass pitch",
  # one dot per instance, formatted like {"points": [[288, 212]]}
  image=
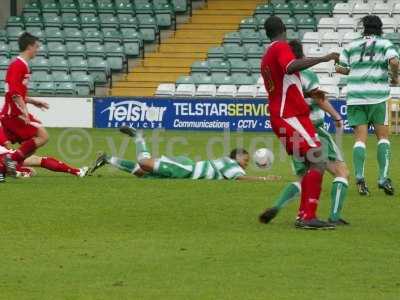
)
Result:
{"points": [[116, 237]]}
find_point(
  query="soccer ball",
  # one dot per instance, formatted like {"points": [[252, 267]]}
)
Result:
{"points": [[263, 158]]}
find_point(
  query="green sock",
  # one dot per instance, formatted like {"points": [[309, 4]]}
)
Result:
{"points": [[123, 164], [338, 195], [141, 149], [288, 194], [383, 155], [359, 151]]}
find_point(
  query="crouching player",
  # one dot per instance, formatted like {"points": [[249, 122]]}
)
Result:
{"points": [[336, 165], [232, 167]]}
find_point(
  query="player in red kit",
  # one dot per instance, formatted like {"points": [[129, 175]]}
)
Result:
{"points": [[290, 118], [18, 125]]}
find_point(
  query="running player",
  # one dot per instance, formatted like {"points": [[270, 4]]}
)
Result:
{"points": [[336, 165], [18, 124], [290, 118], [232, 167], [366, 61]]}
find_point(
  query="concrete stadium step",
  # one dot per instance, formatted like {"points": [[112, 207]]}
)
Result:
{"points": [[210, 26], [133, 92], [191, 48], [160, 69], [134, 84], [194, 40], [181, 34], [219, 12], [168, 62], [146, 77], [176, 55], [206, 19]]}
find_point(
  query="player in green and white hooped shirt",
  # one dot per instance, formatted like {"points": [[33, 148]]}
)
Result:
{"points": [[336, 165], [366, 61], [232, 167]]}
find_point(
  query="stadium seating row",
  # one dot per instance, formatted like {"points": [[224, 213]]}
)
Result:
{"points": [[359, 9]]}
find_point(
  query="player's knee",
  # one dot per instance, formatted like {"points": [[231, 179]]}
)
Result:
{"points": [[146, 165], [383, 141], [343, 172], [359, 144]]}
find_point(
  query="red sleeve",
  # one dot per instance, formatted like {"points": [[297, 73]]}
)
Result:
{"points": [[285, 55], [15, 77]]}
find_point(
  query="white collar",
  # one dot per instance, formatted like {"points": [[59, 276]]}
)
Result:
{"points": [[23, 60]]}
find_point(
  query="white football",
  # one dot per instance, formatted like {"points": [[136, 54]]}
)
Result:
{"points": [[263, 158]]}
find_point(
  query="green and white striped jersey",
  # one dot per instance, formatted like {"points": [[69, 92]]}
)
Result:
{"points": [[310, 82], [368, 59], [223, 168]]}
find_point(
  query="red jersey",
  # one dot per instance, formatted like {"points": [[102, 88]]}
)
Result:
{"points": [[17, 78], [285, 92]]}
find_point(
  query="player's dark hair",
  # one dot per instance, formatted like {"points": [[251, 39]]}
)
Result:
{"points": [[297, 48], [274, 27], [236, 152], [372, 25], [25, 40]]}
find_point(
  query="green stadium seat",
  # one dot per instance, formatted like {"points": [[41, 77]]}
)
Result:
{"points": [[94, 49], [393, 36], [58, 63], [306, 23], [322, 9], [250, 37], [93, 36], [216, 52], [52, 21], [185, 80], [105, 7], [148, 27], [57, 49], [249, 23], [4, 49], [201, 78], [239, 66], [65, 88], [13, 33], [14, 21], [60, 76], [54, 35], [69, 8], [283, 9], [233, 38], [107, 21], [302, 9], [87, 8], [39, 63], [3, 35], [242, 79], [32, 21], [98, 69], [264, 9], [13, 48], [50, 9], [38, 32], [255, 65], [200, 66], [78, 64], [221, 79], [112, 35], [73, 35], [254, 51], [84, 83], [3, 75], [290, 22], [4, 62], [127, 21], [43, 51], [71, 21], [263, 37], [115, 56], [143, 8], [234, 51], [90, 22], [2, 87], [218, 66], [180, 6], [76, 49], [293, 35], [31, 8], [46, 88], [41, 76], [124, 7], [132, 41], [164, 14]]}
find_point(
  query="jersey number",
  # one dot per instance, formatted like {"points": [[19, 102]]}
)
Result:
{"points": [[371, 52]]}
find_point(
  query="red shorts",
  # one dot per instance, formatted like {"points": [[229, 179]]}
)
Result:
{"points": [[17, 130], [297, 134]]}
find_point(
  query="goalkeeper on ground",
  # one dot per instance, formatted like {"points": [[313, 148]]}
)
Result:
{"points": [[181, 167]]}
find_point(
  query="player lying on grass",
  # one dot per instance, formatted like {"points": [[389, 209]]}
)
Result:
{"points": [[366, 61], [336, 165], [232, 167], [48, 163]]}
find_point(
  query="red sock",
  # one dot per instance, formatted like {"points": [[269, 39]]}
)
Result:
{"points": [[54, 165], [26, 149], [311, 186]]}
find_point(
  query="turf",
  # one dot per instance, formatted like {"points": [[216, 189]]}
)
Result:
{"points": [[115, 237]]}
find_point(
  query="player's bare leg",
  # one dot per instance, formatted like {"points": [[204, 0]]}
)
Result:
{"points": [[382, 133], [359, 154]]}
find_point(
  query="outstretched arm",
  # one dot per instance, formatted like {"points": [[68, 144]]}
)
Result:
{"points": [[323, 103], [308, 62], [394, 68], [259, 178]]}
